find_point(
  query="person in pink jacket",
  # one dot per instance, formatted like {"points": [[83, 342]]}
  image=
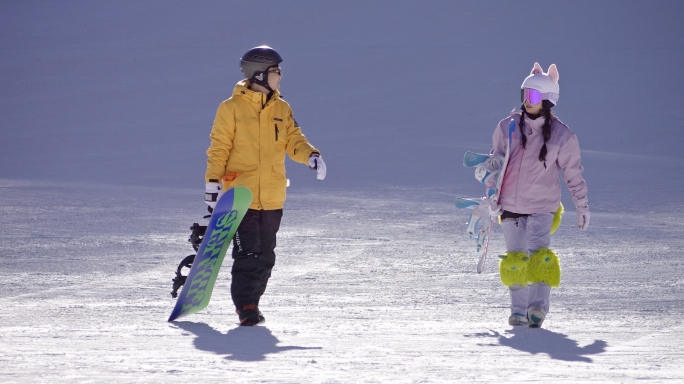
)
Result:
{"points": [[529, 198]]}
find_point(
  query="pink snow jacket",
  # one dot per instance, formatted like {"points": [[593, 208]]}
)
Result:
{"points": [[532, 186]]}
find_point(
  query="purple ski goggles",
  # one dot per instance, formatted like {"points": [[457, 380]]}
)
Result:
{"points": [[531, 95]]}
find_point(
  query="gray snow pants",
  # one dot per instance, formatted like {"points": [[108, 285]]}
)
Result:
{"points": [[527, 234]]}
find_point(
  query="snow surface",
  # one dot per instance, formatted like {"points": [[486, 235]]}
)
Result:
{"points": [[105, 112]]}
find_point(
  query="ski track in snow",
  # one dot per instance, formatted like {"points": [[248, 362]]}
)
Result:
{"points": [[369, 286]]}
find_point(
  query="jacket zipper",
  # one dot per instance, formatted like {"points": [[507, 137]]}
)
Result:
{"points": [[276, 131]]}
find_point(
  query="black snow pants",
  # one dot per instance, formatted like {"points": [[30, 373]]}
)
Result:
{"points": [[254, 255]]}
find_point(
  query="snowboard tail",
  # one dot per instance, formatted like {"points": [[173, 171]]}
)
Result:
{"points": [[467, 202], [487, 167], [472, 159], [225, 220]]}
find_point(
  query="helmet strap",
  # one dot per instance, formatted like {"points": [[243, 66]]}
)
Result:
{"points": [[261, 78]]}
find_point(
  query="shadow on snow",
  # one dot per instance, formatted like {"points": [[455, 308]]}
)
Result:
{"points": [[557, 345], [241, 343]]}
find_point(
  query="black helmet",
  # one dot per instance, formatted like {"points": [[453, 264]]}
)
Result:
{"points": [[256, 61]]}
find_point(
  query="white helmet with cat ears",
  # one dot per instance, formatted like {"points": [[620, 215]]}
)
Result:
{"points": [[546, 83]]}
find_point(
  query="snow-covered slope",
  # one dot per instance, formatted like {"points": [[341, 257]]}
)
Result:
{"points": [[105, 112], [373, 286]]}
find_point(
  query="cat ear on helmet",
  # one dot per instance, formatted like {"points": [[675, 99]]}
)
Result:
{"points": [[537, 69], [553, 73]]}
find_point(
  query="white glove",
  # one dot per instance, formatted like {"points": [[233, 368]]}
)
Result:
{"points": [[317, 164], [495, 209], [583, 215], [211, 193]]}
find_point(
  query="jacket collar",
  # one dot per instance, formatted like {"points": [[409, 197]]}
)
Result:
{"points": [[534, 125], [531, 125], [242, 89]]}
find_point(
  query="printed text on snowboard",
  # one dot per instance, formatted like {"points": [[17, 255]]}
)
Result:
{"points": [[211, 253]]}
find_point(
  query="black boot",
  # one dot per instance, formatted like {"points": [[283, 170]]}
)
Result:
{"points": [[250, 315]]}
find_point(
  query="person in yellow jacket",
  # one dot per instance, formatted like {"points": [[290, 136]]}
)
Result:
{"points": [[252, 132]]}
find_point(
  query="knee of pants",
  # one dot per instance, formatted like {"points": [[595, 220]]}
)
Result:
{"points": [[247, 264], [247, 237], [266, 274], [539, 230], [544, 267], [513, 269], [269, 260], [246, 243], [515, 234]]}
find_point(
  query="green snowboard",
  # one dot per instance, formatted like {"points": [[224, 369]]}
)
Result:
{"points": [[229, 211]]}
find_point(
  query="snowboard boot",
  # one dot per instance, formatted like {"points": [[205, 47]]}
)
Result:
{"points": [[250, 315], [517, 319], [535, 316]]}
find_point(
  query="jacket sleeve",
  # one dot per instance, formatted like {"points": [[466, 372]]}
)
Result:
{"points": [[298, 147], [222, 134], [499, 141], [569, 160]]}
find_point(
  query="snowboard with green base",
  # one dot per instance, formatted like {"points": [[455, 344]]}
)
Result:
{"points": [[224, 222]]}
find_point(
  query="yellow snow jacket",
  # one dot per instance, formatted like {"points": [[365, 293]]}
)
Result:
{"points": [[249, 139]]}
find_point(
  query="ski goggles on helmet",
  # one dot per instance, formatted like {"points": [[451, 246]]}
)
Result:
{"points": [[531, 95]]}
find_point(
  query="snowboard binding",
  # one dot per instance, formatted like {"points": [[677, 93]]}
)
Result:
{"points": [[195, 239]]}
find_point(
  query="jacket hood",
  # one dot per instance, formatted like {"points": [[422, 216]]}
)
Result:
{"points": [[242, 89]]}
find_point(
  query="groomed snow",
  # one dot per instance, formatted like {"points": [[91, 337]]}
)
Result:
{"points": [[370, 286], [105, 112]]}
